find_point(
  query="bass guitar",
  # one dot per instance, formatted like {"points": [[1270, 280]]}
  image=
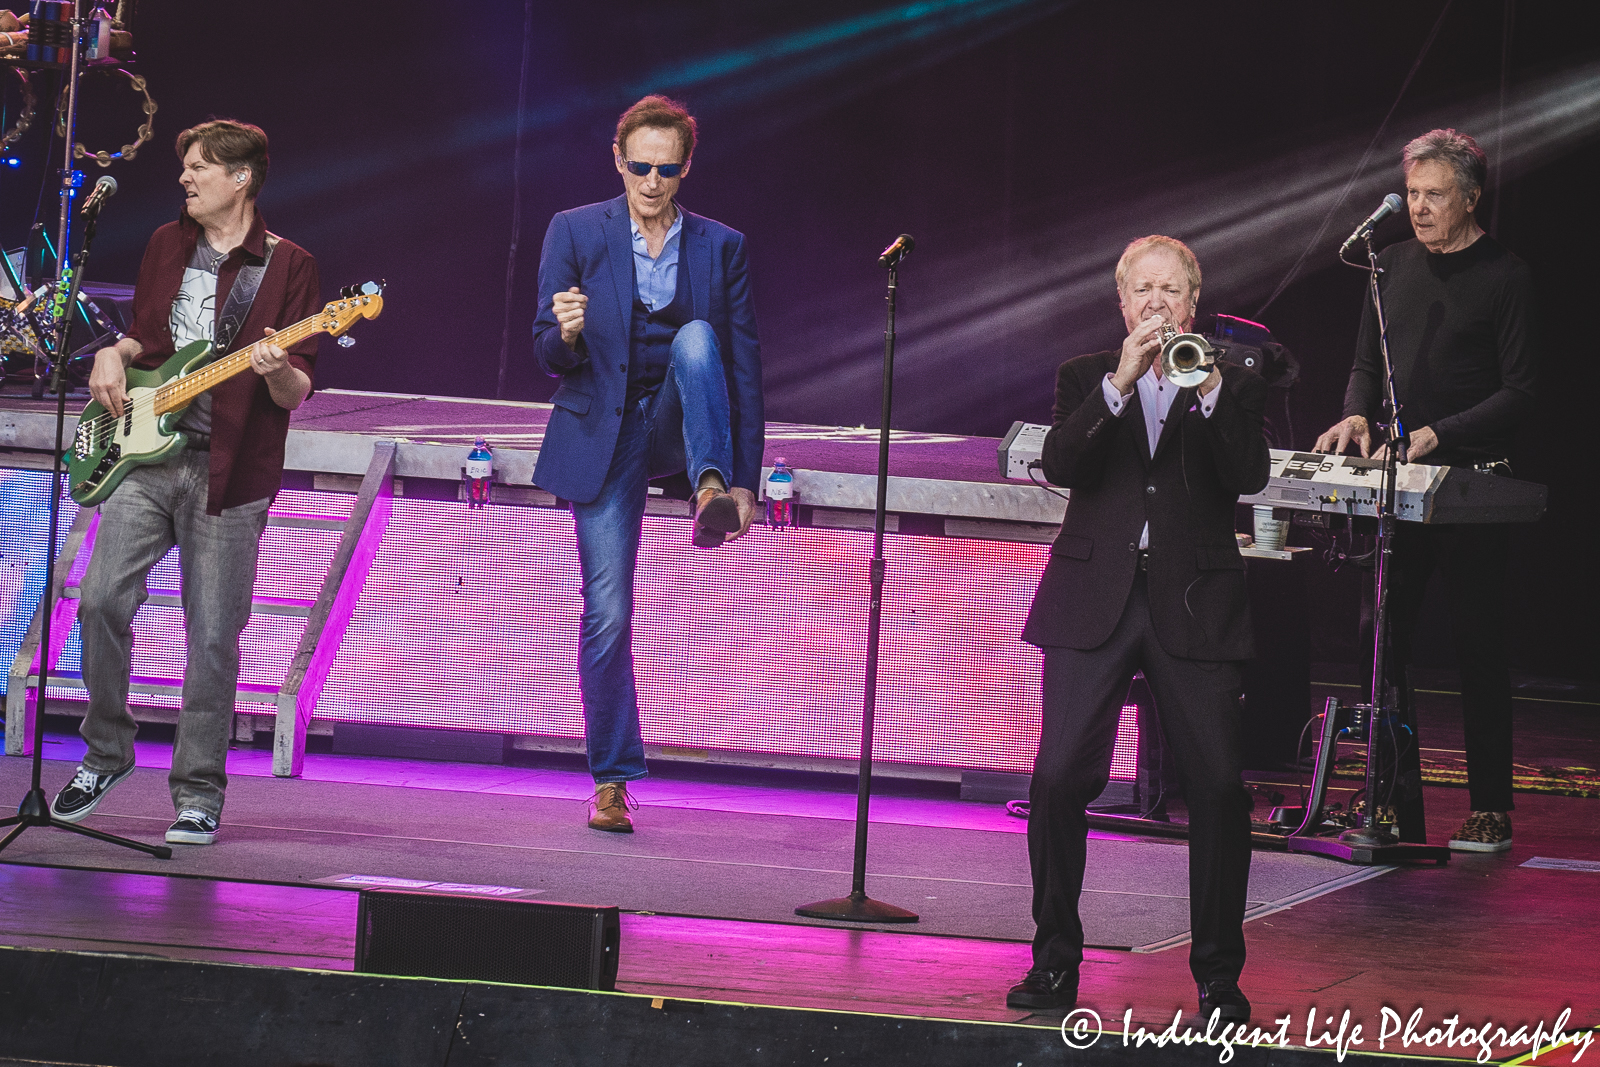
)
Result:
{"points": [[106, 447]]}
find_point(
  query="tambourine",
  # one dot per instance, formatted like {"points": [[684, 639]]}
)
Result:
{"points": [[128, 151], [30, 105]]}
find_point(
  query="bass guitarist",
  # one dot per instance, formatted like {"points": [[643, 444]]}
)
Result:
{"points": [[216, 275]]}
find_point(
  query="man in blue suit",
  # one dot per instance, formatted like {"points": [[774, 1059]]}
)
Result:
{"points": [[645, 315]]}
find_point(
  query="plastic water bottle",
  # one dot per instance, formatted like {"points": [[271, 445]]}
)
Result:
{"points": [[780, 496], [99, 36], [478, 474]]}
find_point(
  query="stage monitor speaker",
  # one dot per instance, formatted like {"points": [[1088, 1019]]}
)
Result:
{"points": [[528, 942]]}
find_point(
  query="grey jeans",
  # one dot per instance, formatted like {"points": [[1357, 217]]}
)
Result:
{"points": [[152, 510]]}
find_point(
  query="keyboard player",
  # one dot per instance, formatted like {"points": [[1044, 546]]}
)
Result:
{"points": [[1464, 342]]}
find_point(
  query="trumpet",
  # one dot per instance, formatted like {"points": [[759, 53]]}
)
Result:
{"points": [[1186, 358]]}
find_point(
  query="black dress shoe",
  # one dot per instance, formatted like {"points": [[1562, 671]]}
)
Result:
{"points": [[1044, 988], [1222, 995]]}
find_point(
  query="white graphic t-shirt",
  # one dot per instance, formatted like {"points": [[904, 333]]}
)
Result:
{"points": [[194, 318]]}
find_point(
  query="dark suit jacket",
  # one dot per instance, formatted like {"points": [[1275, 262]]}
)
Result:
{"points": [[1187, 492], [592, 247]]}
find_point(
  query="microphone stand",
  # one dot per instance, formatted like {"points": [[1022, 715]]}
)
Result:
{"points": [[1372, 842], [858, 907], [35, 808]]}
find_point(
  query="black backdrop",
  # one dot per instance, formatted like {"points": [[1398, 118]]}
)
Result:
{"points": [[1022, 142]]}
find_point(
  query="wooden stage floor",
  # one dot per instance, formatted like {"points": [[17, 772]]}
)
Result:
{"points": [[1483, 938]]}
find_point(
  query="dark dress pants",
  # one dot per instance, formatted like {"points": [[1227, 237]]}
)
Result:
{"points": [[1198, 704], [1472, 560]]}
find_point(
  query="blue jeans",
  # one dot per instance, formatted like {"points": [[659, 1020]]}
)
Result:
{"points": [[686, 426]]}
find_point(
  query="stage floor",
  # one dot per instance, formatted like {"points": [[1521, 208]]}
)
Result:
{"points": [[705, 848], [1486, 937]]}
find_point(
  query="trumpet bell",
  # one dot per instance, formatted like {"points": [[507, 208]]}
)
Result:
{"points": [[1186, 358]]}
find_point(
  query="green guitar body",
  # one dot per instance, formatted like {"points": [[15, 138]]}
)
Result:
{"points": [[104, 449]]}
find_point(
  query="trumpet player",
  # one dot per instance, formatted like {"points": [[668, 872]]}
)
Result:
{"points": [[1146, 575]]}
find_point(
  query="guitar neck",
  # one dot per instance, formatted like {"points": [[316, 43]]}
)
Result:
{"points": [[182, 391]]}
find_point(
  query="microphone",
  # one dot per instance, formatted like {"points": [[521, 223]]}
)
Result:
{"points": [[900, 249], [1391, 205], [104, 190]]}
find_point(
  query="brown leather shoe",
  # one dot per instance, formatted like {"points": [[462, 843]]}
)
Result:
{"points": [[608, 808], [716, 515]]}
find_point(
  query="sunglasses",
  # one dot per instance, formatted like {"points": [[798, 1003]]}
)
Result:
{"points": [[641, 170]]}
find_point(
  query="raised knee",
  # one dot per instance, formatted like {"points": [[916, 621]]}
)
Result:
{"points": [[694, 340]]}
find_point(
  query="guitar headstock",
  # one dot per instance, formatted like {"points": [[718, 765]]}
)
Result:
{"points": [[356, 302]]}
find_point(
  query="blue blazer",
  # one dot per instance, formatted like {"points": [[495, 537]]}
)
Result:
{"points": [[592, 247]]}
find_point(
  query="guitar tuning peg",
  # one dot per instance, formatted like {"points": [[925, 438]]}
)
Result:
{"points": [[347, 292], [345, 340]]}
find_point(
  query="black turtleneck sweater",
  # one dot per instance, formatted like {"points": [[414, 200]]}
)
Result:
{"points": [[1464, 340]]}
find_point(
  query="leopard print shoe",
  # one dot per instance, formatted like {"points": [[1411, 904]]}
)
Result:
{"points": [[1484, 831]]}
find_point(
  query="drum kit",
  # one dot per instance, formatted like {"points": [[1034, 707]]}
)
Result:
{"points": [[38, 59]]}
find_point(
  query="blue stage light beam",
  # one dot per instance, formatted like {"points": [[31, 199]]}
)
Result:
{"points": [[832, 62]]}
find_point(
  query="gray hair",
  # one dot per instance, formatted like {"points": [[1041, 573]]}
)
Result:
{"points": [[1454, 149], [1191, 265]]}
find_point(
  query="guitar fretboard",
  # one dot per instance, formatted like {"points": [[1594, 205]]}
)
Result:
{"points": [[181, 391]]}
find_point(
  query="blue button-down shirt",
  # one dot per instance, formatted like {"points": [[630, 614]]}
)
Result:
{"points": [[656, 280]]}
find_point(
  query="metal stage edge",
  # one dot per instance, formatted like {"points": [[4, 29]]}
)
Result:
{"points": [[56, 1005], [949, 484]]}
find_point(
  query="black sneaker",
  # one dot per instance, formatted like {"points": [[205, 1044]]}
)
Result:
{"points": [[82, 795], [194, 827]]}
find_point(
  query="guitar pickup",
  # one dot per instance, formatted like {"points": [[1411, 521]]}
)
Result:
{"points": [[107, 461]]}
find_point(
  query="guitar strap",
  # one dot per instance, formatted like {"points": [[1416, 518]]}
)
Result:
{"points": [[240, 296]]}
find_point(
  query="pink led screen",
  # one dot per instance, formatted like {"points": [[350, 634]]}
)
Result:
{"points": [[1125, 750], [24, 529], [292, 565], [469, 620]]}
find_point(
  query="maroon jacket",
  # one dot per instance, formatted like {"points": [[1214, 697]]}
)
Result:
{"points": [[248, 428]]}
